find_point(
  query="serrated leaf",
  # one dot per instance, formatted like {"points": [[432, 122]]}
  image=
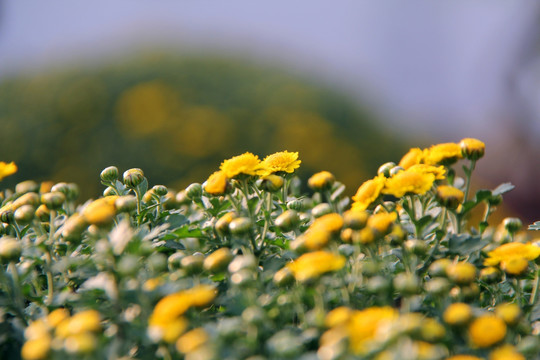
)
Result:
{"points": [[503, 188], [464, 244], [175, 220], [186, 232], [535, 226]]}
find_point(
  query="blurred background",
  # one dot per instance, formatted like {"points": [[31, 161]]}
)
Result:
{"points": [[175, 87]]}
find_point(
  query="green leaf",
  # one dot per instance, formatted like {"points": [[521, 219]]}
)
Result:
{"points": [[175, 220], [535, 226], [535, 312], [468, 206], [174, 245], [186, 232], [464, 244], [503, 188]]}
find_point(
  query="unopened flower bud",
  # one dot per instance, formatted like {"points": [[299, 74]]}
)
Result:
{"points": [[160, 190], [240, 226], [10, 249], [438, 267], [109, 191], [288, 220], [149, 197], [126, 203], [407, 284], [194, 191], [181, 198], [74, 227], [6, 213], [193, 264], [53, 200], [175, 260], [222, 225], [355, 219], [461, 273], [30, 198], [109, 174], [271, 183], [218, 260], [416, 246], [321, 180], [495, 200], [438, 286], [490, 274], [26, 187], [24, 214], [449, 196], [169, 202], [133, 177], [395, 170], [472, 149], [385, 168], [299, 204], [321, 209], [43, 213], [512, 224]]}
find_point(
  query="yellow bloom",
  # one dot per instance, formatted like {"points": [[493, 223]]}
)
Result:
{"points": [[355, 219], [506, 352], [315, 239], [246, 163], [100, 211], [57, 316], [382, 222], [442, 154], [364, 325], [368, 192], [314, 264], [82, 343], [472, 149], [321, 180], [408, 182], [191, 340], [461, 273], [509, 312], [330, 222], [413, 157], [438, 171], [512, 250], [216, 183], [174, 305], [515, 266], [449, 196], [7, 169], [84, 321], [338, 316], [281, 161], [457, 314], [487, 330], [36, 349]]}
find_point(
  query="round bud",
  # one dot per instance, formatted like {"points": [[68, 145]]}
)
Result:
{"points": [[74, 227], [385, 168], [73, 191], [355, 219], [43, 213], [109, 191], [321, 209], [182, 199], [222, 225], [395, 170], [407, 284], [30, 198], [193, 264], [61, 187], [240, 226], [369, 268], [438, 286], [169, 202], [495, 200], [288, 220], [321, 180], [417, 247], [26, 187], [461, 273], [472, 149], [194, 191], [160, 190], [512, 224], [449, 196], [299, 204], [6, 213], [218, 260], [133, 177], [126, 203], [10, 249], [53, 200], [109, 174], [438, 267], [149, 197], [24, 214], [271, 183], [175, 260], [490, 275]]}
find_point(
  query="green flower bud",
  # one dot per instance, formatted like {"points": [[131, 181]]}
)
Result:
{"points": [[271, 183], [438, 267], [43, 213], [73, 191], [160, 190], [61, 187], [407, 284], [302, 204], [157, 262], [26, 186], [53, 200], [355, 219], [149, 197], [240, 226], [129, 265], [495, 200], [175, 260], [182, 199], [126, 203], [218, 260], [288, 220], [24, 214], [169, 203], [6, 214], [30, 198], [512, 224], [369, 268], [74, 227], [321, 209], [194, 191], [133, 177], [193, 264], [109, 174], [109, 191], [385, 168], [417, 247], [10, 249], [490, 275], [379, 285], [438, 286], [283, 277], [222, 225]]}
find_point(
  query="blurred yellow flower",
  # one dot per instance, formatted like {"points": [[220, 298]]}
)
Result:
{"points": [[368, 192], [413, 157], [464, 357], [487, 330], [449, 196], [509, 312], [364, 326], [512, 250], [7, 169], [315, 239], [246, 163], [382, 222], [408, 182], [438, 171], [442, 154], [216, 183], [321, 180], [314, 264], [515, 266], [281, 161], [338, 316], [330, 222], [100, 211], [461, 273], [36, 349], [191, 340], [506, 352], [457, 314]]}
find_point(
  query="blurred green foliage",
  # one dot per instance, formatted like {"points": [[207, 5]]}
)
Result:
{"points": [[177, 117]]}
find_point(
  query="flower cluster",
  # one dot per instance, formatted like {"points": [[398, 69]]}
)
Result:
{"points": [[248, 266]]}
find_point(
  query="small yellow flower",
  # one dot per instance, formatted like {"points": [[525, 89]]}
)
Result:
{"points": [[408, 182], [506, 352], [216, 183], [515, 266], [457, 314], [509, 312], [100, 211], [364, 325], [314, 264], [84, 321], [191, 341], [321, 180], [36, 349], [442, 154], [472, 149], [83, 343], [413, 157], [438, 171], [449, 196], [246, 163], [315, 239], [152, 284], [432, 330], [338, 316], [7, 169], [512, 250], [487, 330], [57, 316], [283, 161], [368, 192], [330, 222], [461, 273], [218, 260], [382, 222]]}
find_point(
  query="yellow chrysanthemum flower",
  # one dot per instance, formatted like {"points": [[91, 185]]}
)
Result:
{"points": [[216, 183], [509, 312], [438, 171], [506, 352], [7, 169], [321, 180], [281, 161], [331, 223], [368, 192], [487, 330], [413, 157], [512, 250], [191, 341], [461, 273], [515, 266], [338, 316], [382, 222], [408, 182], [246, 163], [314, 264], [36, 349], [364, 325], [442, 154], [472, 149], [315, 239], [100, 211], [457, 314]]}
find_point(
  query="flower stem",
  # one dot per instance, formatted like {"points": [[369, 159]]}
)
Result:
{"points": [[468, 173]]}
